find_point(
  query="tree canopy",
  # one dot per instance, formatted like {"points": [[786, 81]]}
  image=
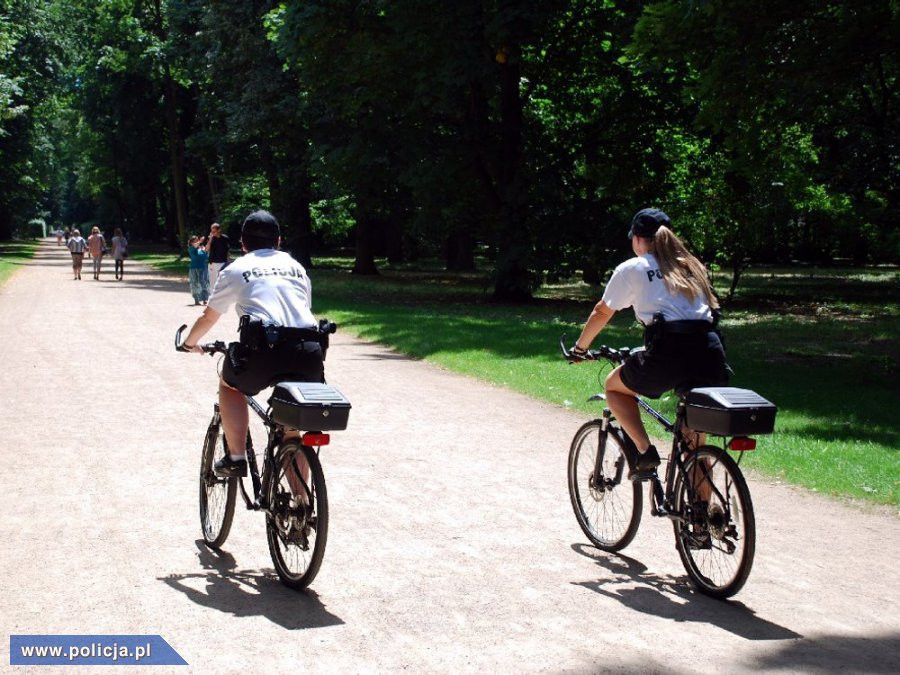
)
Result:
{"points": [[520, 133]]}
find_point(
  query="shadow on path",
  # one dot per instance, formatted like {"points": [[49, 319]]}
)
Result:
{"points": [[363, 352], [249, 593], [835, 653], [675, 599]]}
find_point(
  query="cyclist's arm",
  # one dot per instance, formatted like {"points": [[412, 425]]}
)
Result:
{"points": [[599, 317], [201, 326]]}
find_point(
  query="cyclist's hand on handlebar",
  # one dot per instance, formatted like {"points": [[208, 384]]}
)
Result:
{"points": [[576, 354]]}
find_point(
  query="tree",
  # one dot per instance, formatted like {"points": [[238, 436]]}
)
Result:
{"points": [[30, 45], [797, 102]]}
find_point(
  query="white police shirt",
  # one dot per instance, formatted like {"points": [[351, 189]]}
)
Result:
{"points": [[268, 285], [638, 283]]}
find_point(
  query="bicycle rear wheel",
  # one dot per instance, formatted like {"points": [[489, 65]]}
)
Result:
{"points": [[297, 516], [716, 537], [217, 494], [607, 505]]}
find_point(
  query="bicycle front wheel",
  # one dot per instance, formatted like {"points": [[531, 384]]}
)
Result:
{"points": [[297, 515], [716, 532], [217, 494], [607, 505]]}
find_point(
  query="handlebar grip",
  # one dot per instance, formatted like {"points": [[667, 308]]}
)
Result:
{"points": [[178, 344]]}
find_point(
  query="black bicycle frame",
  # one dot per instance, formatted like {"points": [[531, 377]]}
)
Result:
{"points": [[676, 465], [275, 437]]}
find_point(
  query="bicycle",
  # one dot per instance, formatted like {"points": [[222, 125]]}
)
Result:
{"points": [[705, 493], [290, 490]]}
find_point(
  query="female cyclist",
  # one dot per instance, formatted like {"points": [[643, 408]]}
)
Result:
{"points": [[671, 295]]}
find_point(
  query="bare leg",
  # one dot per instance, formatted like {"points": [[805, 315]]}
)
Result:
{"points": [[701, 469], [624, 406], [297, 481], [235, 418]]}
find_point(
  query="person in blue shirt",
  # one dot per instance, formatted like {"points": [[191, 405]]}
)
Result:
{"points": [[198, 273]]}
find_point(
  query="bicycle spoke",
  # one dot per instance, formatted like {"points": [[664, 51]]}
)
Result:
{"points": [[217, 495], [607, 510], [716, 540], [297, 520]]}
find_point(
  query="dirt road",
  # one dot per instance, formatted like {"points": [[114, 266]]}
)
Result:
{"points": [[452, 544]]}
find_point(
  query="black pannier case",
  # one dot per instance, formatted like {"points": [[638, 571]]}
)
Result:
{"points": [[729, 411], [309, 406]]}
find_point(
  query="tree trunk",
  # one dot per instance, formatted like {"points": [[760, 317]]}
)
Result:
{"points": [[298, 217], [590, 274], [176, 156], [213, 206], [460, 251], [393, 241], [5, 225], [514, 281], [365, 253], [738, 265]]}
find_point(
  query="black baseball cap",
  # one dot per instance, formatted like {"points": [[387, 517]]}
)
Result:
{"points": [[261, 224], [646, 222]]}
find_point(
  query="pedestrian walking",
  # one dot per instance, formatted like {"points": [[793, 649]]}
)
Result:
{"points": [[76, 245], [96, 248], [119, 252]]}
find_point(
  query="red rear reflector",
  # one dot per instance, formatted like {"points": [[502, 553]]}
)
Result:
{"points": [[316, 439], [742, 443]]}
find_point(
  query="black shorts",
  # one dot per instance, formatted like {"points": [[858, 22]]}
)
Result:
{"points": [[678, 362], [251, 371]]}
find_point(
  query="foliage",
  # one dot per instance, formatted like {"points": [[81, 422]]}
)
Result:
{"points": [[525, 133], [798, 102]]}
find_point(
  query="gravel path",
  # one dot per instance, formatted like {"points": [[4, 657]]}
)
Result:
{"points": [[452, 544]]}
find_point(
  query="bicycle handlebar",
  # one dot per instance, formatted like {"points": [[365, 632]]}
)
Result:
{"points": [[209, 348], [326, 327], [612, 355]]}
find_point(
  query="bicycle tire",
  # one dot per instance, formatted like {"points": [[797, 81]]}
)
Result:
{"points": [[716, 544], [217, 494], [608, 516], [296, 533]]}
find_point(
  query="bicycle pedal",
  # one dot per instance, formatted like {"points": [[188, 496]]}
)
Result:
{"points": [[642, 475]]}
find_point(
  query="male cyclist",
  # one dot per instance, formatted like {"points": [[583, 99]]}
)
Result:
{"points": [[279, 339]]}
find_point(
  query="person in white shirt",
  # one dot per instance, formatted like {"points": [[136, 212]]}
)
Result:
{"points": [[279, 339], [77, 246], [670, 292], [119, 252]]}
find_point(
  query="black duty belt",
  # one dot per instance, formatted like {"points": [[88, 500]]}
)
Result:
{"points": [[255, 334], [287, 333], [684, 327]]}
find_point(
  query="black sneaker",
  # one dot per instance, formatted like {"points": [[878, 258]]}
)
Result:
{"points": [[231, 468], [645, 466]]}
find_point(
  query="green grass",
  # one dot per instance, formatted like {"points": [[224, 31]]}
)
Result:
{"points": [[12, 255], [820, 343], [162, 259]]}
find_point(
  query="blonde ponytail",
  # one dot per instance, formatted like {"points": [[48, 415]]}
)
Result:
{"points": [[682, 272]]}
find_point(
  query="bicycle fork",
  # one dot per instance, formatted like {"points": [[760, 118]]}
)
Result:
{"points": [[598, 480]]}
